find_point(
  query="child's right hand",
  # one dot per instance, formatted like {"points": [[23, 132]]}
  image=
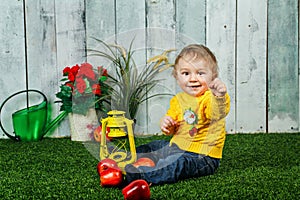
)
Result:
{"points": [[168, 125]]}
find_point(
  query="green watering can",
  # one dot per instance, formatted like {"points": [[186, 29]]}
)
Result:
{"points": [[30, 123]]}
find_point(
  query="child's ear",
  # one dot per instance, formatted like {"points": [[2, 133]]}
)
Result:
{"points": [[174, 73]]}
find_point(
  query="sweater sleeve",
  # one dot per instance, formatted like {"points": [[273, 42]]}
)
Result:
{"points": [[217, 107], [174, 109]]}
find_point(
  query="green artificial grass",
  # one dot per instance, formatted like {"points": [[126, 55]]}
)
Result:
{"points": [[254, 166]]}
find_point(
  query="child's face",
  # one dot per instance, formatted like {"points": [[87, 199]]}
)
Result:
{"points": [[193, 76]]}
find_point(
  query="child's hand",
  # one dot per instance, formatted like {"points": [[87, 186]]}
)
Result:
{"points": [[218, 88], [167, 125]]}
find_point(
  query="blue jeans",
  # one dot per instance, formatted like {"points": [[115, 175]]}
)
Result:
{"points": [[172, 164]]}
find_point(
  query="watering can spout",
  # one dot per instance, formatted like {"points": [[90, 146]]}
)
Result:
{"points": [[30, 124], [55, 121]]}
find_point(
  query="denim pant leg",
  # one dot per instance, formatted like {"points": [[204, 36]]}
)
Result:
{"points": [[179, 165], [152, 146], [154, 150]]}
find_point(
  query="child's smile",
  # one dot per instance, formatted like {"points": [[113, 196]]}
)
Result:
{"points": [[193, 76]]}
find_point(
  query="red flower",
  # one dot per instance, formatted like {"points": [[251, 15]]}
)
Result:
{"points": [[83, 85], [86, 69], [71, 77], [75, 69], [96, 89], [71, 72], [102, 71], [70, 84], [66, 70], [105, 72], [80, 85]]}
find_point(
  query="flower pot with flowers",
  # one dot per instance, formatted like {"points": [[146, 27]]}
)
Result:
{"points": [[84, 94]]}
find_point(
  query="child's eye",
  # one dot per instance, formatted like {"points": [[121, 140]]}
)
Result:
{"points": [[200, 73], [185, 73]]}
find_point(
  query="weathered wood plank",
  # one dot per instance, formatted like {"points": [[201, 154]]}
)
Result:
{"points": [[160, 37], [70, 40], [251, 66], [70, 30], [130, 27], [283, 63], [190, 22], [41, 41], [101, 24], [221, 19], [12, 58]]}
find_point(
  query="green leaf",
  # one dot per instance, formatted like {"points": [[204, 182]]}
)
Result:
{"points": [[102, 78]]}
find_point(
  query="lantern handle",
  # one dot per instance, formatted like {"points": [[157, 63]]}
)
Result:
{"points": [[103, 146], [129, 124]]}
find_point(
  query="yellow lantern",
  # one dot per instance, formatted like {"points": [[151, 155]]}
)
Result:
{"points": [[121, 131]]}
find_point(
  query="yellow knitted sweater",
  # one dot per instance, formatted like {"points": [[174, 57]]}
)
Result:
{"points": [[201, 122]]}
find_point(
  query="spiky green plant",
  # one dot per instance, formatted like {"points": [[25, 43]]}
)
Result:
{"points": [[130, 87]]}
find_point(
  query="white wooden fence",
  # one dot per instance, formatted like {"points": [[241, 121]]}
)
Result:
{"points": [[256, 43]]}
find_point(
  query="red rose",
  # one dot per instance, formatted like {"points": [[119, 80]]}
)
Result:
{"points": [[86, 69], [66, 71], [80, 85], [75, 69], [71, 77], [71, 72], [96, 89]]}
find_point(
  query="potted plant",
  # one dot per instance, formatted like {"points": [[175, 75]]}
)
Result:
{"points": [[130, 87], [83, 92]]}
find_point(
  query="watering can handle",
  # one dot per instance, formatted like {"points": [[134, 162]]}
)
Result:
{"points": [[5, 132]]}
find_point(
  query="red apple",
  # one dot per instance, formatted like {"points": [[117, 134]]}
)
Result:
{"points": [[111, 177], [98, 133], [137, 190], [105, 164], [109, 172], [144, 162]]}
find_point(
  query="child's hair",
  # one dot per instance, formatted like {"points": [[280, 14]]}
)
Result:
{"points": [[198, 52]]}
